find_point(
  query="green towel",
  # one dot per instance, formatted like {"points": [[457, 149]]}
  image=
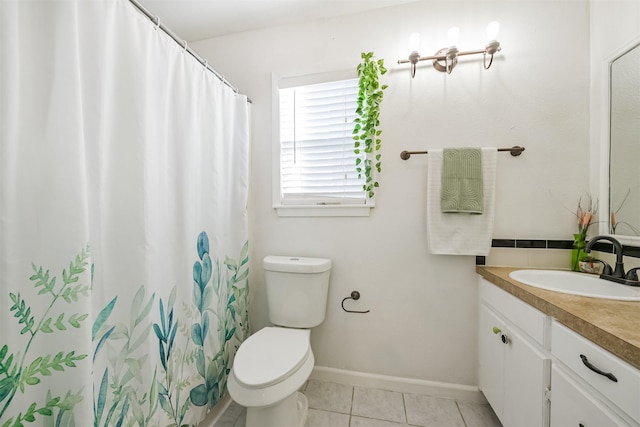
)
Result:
{"points": [[462, 189]]}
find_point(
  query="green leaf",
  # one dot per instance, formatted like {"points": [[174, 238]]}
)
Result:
{"points": [[242, 276], [231, 264], [70, 400], [45, 411], [6, 386], [45, 327], [102, 397], [172, 298], [59, 325], [152, 393], [199, 395], [102, 340], [200, 364], [32, 381], [102, 317], [196, 334], [144, 335], [7, 365], [244, 254], [145, 311], [75, 319]]}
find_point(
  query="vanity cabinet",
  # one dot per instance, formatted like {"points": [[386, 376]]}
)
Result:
{"points": [[534, 371], [514, 368]]}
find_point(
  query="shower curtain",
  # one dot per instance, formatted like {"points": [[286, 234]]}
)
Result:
{"points": [[123, 220]]}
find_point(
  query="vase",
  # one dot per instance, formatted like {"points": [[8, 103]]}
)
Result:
{"points": [[577, 252]]}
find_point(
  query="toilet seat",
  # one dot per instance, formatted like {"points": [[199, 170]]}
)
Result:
{"points": [[270, 356]]}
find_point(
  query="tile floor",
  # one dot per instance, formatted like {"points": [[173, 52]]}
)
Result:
{"points": [[339, 405]]}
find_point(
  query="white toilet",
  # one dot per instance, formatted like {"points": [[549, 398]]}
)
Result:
{"points": [[272, 364]]}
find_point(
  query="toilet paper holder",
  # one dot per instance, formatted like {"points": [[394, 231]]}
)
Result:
{"points": [[355, 295]]}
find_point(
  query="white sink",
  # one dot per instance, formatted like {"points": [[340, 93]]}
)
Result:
{"points": [[570, 282]]}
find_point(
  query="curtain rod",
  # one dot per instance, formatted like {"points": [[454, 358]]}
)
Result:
{"points": [[156, 20], [514, 151]]}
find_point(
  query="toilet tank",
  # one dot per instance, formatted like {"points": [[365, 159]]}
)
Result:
{"points": [[297, 289]]}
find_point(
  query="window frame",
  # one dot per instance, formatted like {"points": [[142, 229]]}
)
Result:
{"points": [[312, 207]]}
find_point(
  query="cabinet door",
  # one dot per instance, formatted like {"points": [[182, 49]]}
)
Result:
{"points": [[491, 359], [513, 373], [527, 377], [572, 405]]}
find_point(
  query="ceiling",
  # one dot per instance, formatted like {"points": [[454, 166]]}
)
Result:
{"points": [[194, 20]]}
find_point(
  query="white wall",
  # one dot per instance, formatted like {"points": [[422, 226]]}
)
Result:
{"points": [[422, 323]]}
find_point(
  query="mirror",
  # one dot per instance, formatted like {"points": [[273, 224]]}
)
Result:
{"points": [[624, 156]]}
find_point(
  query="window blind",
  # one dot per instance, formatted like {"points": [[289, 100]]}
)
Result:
{"points": [[317, 162]]}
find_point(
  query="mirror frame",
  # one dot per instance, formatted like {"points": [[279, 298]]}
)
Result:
{"points": [[605, 146]]}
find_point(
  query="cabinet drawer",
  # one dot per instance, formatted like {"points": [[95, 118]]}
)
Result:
{"points": [[571, 405], [528, 319], [577, 352]]}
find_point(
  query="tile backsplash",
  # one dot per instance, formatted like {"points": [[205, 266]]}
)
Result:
{"points": [[537, 253]]}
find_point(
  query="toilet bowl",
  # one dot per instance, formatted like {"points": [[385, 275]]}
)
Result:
{"points": [[272, 364], [268, 370]]}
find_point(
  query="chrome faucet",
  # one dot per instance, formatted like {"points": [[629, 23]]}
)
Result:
{"points": [[618, 272]]}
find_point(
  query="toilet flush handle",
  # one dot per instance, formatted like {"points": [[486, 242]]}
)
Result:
{"points": [[355, 295]]}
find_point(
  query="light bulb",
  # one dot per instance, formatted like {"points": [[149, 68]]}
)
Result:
{"points": [[493, 29], [453, 35], [414, 42]]}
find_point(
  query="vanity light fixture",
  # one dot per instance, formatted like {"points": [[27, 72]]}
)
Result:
{"points": [[446, 59]]}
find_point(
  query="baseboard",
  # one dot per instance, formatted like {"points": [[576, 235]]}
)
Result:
{"points": [[399, 384]]}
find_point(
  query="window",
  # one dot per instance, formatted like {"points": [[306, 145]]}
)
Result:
{"points": [[317, 162]]}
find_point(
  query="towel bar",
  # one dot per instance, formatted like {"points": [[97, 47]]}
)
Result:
{"points": [[514, 151]]}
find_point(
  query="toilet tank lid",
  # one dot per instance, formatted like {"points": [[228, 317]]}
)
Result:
{"points": [[294, 264]]}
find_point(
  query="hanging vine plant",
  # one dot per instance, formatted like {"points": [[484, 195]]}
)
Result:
{"points": [[366, 131]]}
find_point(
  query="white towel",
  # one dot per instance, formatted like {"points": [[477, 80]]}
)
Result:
{"points": [[459, 233]]}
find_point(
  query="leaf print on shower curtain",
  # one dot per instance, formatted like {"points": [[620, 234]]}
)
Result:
{"points": [[231, 313], [122, 393], [123, 165], [24, 368]]}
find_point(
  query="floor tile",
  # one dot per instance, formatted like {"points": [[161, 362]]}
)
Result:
{"points": [[370, 422], [230, 415], [379, 404], [330, 405], [427, 411], [317, 418], [478, 415], [242, 420], [328, 396]]}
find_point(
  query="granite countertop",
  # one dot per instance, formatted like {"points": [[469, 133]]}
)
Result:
{"points": [[613, 325]]}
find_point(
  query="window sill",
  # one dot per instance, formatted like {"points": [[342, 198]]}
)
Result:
{"points": [[323, 210]]}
